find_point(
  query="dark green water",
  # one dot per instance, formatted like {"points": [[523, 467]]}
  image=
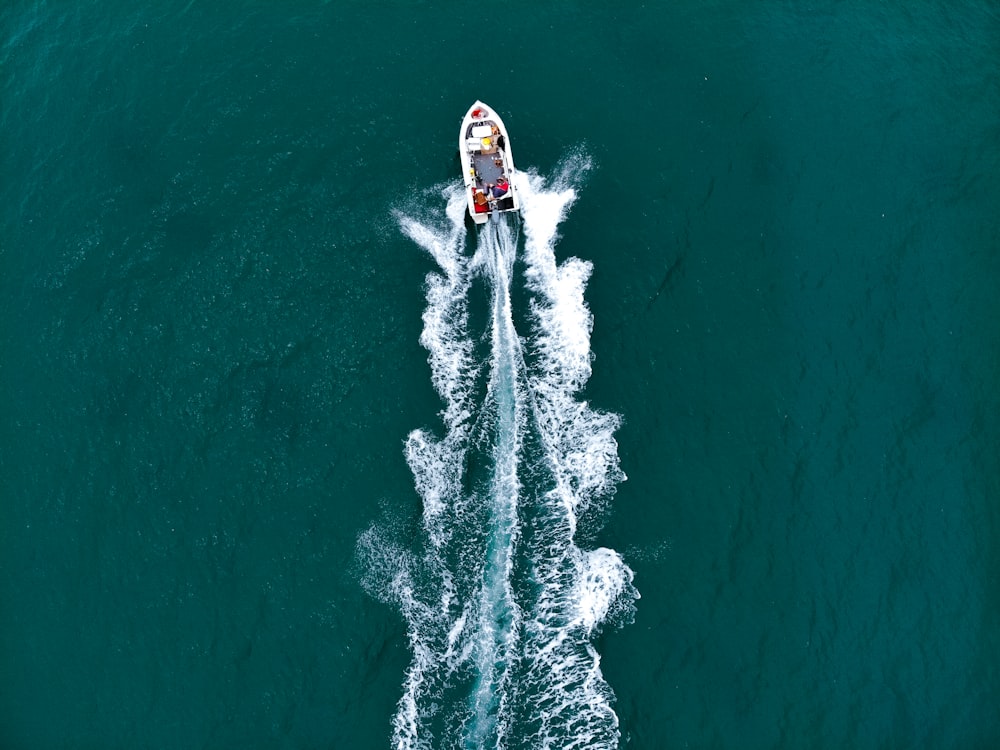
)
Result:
{"points": [[210, 359]]}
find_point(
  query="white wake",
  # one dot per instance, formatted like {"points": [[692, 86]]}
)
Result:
{"points": [[501, 604]]}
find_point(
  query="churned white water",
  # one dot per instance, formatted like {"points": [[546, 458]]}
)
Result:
{"points": [[501, 604]]}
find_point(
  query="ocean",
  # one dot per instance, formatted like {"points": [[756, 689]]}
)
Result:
{"points": [[701, 450]]}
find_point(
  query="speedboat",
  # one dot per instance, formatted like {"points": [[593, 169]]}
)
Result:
{"points": [[487, 164]]}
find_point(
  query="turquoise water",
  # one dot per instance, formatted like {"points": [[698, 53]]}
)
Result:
{"points": [[211, 323]]}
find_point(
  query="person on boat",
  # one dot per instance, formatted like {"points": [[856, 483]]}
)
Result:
{"points": [[500, 189]]}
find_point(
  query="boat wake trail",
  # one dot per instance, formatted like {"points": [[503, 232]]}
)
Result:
{"points": [[501, 604]]}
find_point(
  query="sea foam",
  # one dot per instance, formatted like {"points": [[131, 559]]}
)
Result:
{"points": [[501, 603]]}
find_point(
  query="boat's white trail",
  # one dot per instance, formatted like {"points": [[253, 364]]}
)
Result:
{"points": [[501, 604], [499, 615]]}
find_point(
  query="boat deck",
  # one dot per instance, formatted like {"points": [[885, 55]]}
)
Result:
{"points": [[487, 169]]}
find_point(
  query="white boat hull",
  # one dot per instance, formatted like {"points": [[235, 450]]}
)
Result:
{"points": [[486, 158]]}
